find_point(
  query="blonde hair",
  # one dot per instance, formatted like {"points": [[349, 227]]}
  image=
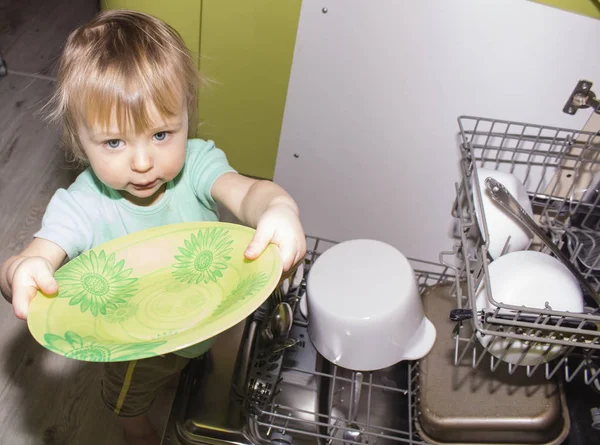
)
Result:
{"points": [[122, 62]]}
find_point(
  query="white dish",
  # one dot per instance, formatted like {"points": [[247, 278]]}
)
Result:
{"points": [[365, 309], [296, 281], [535, 280], [303, 306], [501, 226], [298, 276]]}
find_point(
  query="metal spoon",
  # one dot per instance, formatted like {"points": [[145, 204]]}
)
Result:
{"points": [[283, 345], [353, 434], [279, 324], [509, 203], [283, 318]]}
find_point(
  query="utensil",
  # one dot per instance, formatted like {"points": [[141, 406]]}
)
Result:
{"points": [[279, 324], [282, 320], [508, 202], [354, 433], [504, 234], [588, 243], [267, 332], [283, 345], [365, 307], [154, 292]]}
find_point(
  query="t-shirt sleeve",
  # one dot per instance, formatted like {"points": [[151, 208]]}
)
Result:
{"points": [[205, 163], [66, 223]]}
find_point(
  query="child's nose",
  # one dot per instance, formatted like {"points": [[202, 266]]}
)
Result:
{"points": [[142, 160]]}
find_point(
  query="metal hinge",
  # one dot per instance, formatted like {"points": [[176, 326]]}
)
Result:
{"points": [[582, 97]]}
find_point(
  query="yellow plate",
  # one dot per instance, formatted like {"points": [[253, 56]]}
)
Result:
{"points": [[153, 292]]}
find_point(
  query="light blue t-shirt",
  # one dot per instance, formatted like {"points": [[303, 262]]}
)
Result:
{"points": [[89, 213]]}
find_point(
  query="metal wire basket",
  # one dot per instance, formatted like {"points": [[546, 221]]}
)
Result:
{"points": [[560, 169], [275, 416]]}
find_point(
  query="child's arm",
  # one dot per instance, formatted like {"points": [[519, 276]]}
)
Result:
{"points": [[22, 275], [267, 207]]}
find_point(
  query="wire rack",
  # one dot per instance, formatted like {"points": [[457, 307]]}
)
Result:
{"points": [[560, 170], [282, 424]]}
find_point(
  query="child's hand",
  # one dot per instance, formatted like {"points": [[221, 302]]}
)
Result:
{"points": [[281, 226], [31, 274]]}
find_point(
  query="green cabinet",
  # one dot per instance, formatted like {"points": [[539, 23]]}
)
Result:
{"points": [[590, 8], [183, 15], [245, 53]]}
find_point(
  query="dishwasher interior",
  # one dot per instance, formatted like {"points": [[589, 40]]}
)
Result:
{"points": [[248, 390]]}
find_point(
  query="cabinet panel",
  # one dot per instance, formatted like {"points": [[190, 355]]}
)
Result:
{"points": [[590, 8], [369, 145], [246, 54], [183, 15]]}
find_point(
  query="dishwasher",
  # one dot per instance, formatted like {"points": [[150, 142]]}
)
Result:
{"points": [[248, 391]]}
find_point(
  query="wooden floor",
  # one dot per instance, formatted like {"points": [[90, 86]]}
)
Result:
{"points": [[44, 398]]}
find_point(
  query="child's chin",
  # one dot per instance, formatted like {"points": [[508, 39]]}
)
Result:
{"points": [[146, 192], [144, 196]]}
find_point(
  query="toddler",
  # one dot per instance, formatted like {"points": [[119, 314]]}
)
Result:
{"points": [[126, 99]]}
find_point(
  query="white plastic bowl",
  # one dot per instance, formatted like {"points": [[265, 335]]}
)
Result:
{"points": [[500, 224], [535, 280], [365, 311]]}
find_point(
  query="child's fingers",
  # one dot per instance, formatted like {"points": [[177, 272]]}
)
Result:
{"points": [[296, 254], [259, 243], [288, 255], [290, 271], [27, 281], [47, 284], [22, 297], [301, 252], [41, 272]]}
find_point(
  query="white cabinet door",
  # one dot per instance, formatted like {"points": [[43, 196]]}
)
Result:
{"points": [[369, 144]]}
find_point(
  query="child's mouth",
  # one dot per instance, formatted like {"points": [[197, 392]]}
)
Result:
{"points": [[145, 186]]}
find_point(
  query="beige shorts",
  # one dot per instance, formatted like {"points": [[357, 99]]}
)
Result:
{"points": [[129, 388]]}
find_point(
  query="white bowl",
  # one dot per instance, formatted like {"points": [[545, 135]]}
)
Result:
{"points": [[535, 280], [500, 224], [365, 311]]}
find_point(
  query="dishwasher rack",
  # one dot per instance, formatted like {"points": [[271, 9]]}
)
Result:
{"points": [[276, 423], [559, 168]]}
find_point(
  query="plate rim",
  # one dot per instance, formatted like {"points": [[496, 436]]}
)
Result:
{"points": [[139, 237]]}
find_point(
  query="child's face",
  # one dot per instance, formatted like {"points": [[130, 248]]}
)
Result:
{"points": [[138, 165]]}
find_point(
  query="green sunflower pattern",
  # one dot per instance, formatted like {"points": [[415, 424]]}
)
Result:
{"points": [[96, 283], [245, 288], [121, 313], [74, 346], [204, 256]]}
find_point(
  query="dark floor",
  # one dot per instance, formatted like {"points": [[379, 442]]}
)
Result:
{"points": [[44, 398]]}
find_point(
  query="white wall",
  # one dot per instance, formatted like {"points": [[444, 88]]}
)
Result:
{"points": [[375, 91]]}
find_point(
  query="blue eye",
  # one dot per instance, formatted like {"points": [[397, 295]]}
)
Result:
{"points": [[114, 143], [161, 135]]}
